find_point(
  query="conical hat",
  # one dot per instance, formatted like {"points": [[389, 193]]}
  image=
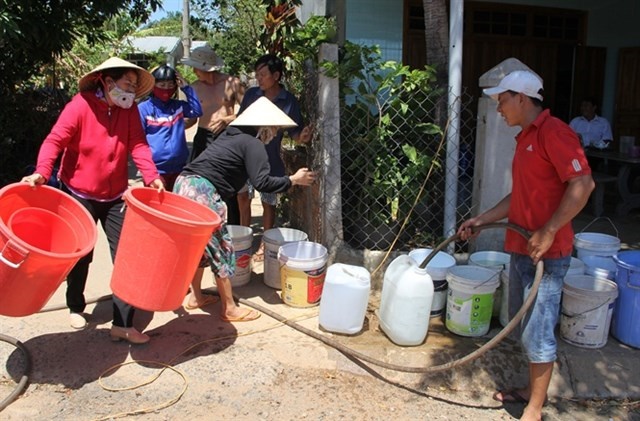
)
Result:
{"points": [[263, 113], [89, 81]]}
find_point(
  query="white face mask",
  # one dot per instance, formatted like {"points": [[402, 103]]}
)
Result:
{"points": [[121, 98]]}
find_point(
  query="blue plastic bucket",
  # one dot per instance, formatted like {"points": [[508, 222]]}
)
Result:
{"points": [[626, 313]]}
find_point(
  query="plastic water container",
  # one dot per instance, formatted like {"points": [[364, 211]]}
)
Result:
{"points": [[436, 268], [405, 305], [498, 261], [345, 297], [626, 313], [162, 240], [273, 239], [303, 270], [594, 243], [242, 238], [44, 230], [587, 307], [470, 300], [600, 267], [576, 267], [43, 234]]}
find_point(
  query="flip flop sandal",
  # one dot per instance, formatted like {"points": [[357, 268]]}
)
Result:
{"points": [[247, 316]]}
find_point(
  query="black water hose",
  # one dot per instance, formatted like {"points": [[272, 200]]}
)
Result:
{"points": [[25, 376], [438, 368], [339, 346]]}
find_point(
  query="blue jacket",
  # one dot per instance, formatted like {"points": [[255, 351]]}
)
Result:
{"points": [[163, 122]]}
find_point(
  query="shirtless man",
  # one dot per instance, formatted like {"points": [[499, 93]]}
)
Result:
{"points": [[220, 95]]}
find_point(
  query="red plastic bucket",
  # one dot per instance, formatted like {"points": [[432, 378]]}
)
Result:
{"points": [[43, 230], [162, 240], [43, 233]]}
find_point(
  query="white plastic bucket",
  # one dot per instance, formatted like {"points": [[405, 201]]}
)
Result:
{"points": [[437, 268], [499, 261], [470, 299], [273, 239], [303, 270], [576, 267], [603, 267], [594, 243], [242, 239], [587, 307], [345, 297]]}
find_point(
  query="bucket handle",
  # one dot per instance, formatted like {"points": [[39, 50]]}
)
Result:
{"points": [[609, 301], [17, 250], [631, 284], [488, 279], [602, 217]]}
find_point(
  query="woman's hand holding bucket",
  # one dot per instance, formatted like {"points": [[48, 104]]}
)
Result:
{"points": [[157, 184], [34, 179]]}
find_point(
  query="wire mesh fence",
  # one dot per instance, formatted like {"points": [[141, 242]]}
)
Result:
{"points": [[392, 183], [393, 186]]}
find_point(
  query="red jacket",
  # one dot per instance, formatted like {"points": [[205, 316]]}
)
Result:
{"points": [[96, 140]]}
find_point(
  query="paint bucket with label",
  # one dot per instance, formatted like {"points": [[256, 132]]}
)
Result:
{"points": [[273, 239], [436, 268], [303, 267], [242, 239], [587, 307], [470, 299], [499, 262]]}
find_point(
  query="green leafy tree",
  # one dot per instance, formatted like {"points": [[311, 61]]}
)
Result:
{"points": [[35, 32]]}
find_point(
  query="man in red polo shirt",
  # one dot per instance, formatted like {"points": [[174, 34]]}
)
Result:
{"points": [[551, 184]]}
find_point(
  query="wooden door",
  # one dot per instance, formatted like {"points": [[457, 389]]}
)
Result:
{"points": [[627, 107], [588, 80]]}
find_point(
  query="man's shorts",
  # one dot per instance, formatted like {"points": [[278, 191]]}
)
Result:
{"points": [[538, 325]]}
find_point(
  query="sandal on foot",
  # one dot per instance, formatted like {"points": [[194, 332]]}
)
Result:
{"points": [[509, 396], [247, 316], [513, 396], [208, 299]]}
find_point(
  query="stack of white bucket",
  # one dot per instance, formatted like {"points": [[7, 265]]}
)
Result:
{"points": [[588, 299]]}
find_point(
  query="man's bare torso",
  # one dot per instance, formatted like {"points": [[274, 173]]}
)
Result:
{"points": [[219, 100]]}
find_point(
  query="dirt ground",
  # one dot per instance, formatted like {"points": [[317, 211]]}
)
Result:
{"points": [[198, 368]]}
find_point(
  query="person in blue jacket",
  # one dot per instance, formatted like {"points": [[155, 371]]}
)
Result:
{"points": [[163, 121]]}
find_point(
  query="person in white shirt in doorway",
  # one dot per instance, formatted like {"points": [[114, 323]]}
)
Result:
{"points": [[592, 129]]}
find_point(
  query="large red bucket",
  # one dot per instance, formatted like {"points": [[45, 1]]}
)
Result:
{"points": [[163, 238], [43, 234]]}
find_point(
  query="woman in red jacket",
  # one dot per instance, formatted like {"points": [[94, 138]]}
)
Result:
{"points": [[95, 133]]}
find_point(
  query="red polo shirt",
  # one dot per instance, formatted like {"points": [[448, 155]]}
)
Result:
{"points": [[548, 154]]}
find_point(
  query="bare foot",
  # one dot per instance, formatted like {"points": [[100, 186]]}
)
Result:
{"points": [[193, 303], [531, 414]]}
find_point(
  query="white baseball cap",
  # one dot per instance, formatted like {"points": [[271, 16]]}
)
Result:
{"points": [[521, 81]]}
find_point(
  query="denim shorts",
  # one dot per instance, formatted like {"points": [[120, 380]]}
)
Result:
{"points": [[268, 198], [537, 328]]}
